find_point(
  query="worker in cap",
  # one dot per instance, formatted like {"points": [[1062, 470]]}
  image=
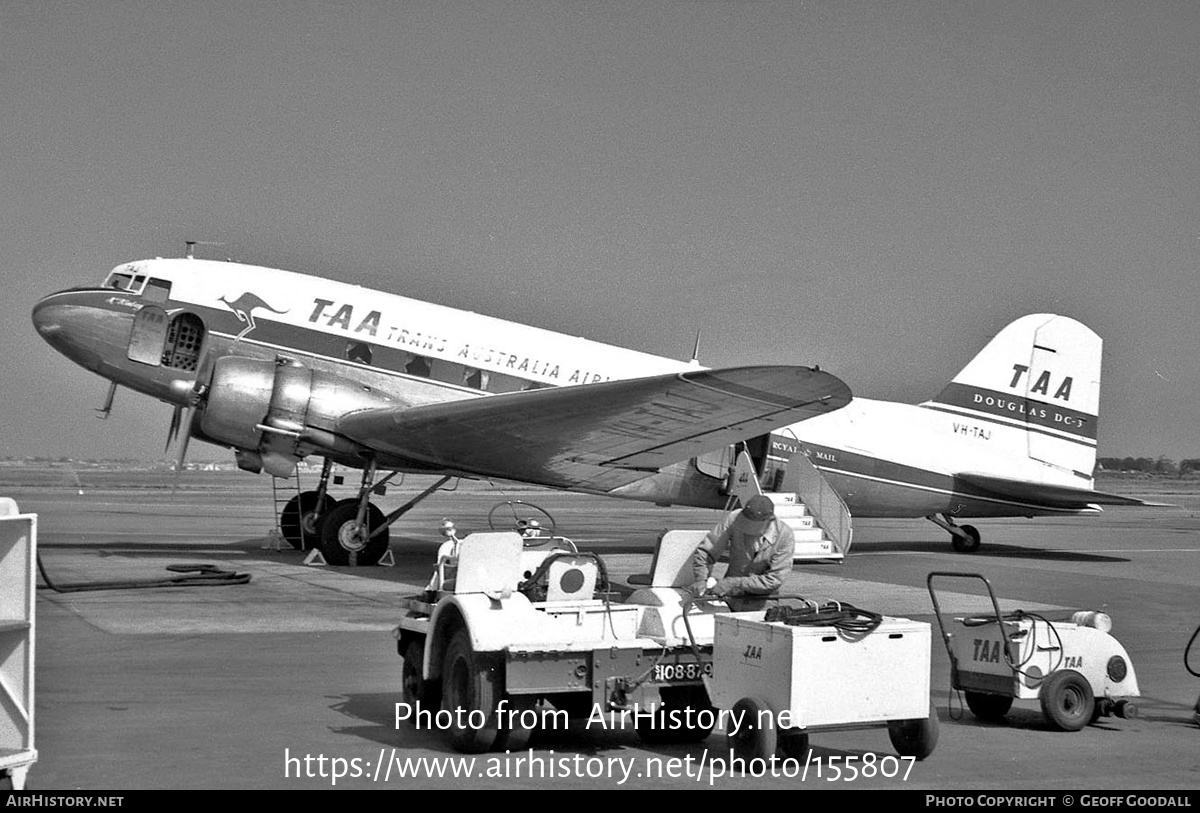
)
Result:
{"points": [[760, 548]]}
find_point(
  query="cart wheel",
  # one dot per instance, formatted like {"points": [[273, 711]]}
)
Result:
{"points": [[794, 743], [990, 707], [1067, 700], [755, 738], [469, 693], [415, 689], [685, 699], [914, 738], [1127, 709], [516, 725]]}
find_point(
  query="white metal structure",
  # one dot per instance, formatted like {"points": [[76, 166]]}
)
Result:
{"points": [[18, 568]]}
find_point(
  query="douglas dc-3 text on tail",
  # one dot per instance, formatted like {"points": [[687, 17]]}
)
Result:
{"points": [[279, 366]]}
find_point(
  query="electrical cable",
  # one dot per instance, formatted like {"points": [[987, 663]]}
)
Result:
{"points": [[843, 616], [198, 575], [1187, 650]]}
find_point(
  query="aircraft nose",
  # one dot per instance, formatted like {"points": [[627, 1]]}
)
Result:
{"points": [[48, 318], [72, 324]]}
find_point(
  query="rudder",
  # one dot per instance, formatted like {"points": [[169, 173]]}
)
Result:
{"points": [[1037, 383]]}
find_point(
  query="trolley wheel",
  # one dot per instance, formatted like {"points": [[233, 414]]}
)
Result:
{"points": [[300, 519], [793, 743], [516, 726], [345, 542], [1127, 710], [1067, 700], [414, 688], [990, 707], [756, 737], [689, 701], [470, 693], [970, 544], [914, 738]]}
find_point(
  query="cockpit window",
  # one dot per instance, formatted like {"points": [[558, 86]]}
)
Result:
{"points": [[157, 290], [126, 282]]}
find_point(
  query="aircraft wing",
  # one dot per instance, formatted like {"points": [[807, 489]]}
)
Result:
{"points": [[1052, 496], [597, 437]]}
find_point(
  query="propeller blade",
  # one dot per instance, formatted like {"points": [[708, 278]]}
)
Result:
{"points": [[186, 418], [173, 429]]}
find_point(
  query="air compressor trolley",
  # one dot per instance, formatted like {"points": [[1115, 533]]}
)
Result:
{"points": [[1075, 669], [779, 680]]}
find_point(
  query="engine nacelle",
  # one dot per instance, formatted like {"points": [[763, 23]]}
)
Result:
{"points": [[278, 412]]}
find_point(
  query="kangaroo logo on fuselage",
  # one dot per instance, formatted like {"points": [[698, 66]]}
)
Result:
{"points": [[243, 308]]}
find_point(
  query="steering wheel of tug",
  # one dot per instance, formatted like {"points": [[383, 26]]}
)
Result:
{"points": [[534, 523]]}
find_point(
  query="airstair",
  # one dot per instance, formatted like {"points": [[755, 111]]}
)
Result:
{"points": [[806, 502]]}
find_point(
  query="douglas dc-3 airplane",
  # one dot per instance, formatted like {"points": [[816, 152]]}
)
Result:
{"points": [[279, 366]]}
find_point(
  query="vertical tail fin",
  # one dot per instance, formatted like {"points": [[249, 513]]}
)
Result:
{"points": [[1036, 387]]}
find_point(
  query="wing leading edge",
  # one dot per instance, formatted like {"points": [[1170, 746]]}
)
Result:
{"points": [[1052, 496], [598, 437]]}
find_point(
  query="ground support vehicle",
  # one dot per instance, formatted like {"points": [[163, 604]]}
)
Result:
{"points": [[1075, 669], [518, 631], [777, 677]]}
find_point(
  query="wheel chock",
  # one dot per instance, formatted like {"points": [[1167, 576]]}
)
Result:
{"points": [[387, 560], [315, 558], [274, 541]]}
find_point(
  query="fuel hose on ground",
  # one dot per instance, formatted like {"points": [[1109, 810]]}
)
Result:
{"points": [[193, 575]]}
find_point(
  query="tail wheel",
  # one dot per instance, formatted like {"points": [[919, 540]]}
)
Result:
{"points": [[345, 542], [990, 707], [914, 738], [755, 737], [470, 691], [968, 543], [300, 519], [1067, 700]]}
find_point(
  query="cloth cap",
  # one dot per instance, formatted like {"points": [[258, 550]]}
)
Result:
{"points": [[758, 511]]}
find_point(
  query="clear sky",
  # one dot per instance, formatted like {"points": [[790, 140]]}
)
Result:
{"points": [[875, 187]]}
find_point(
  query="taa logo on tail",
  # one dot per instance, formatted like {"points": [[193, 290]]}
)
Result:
{"points": [[1042, 384]]}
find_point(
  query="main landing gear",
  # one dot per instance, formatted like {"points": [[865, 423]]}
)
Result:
{"points": [[963, 538], [347, 532]]}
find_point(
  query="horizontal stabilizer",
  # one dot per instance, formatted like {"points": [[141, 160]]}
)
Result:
{"points": [[599, 436], [1050, 495]]}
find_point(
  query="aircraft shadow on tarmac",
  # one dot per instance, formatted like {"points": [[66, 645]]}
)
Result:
{"points": [[986, 551]]}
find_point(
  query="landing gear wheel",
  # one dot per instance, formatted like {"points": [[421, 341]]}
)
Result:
{"points": [[1067, 700], [469, 692], [990, 707], [415, 689], [914, 738], [794, 744], [300, 519], [677, 720], [756, 738], [517, 724], [530, 521], [345, 542], [968, 544]]}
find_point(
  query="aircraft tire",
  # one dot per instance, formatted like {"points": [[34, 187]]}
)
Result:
{"points": [[990, 707], [300, 519], [343, 543], [470, 691], [1067, 700], [914, 738], [969, 545], [794, 744]]}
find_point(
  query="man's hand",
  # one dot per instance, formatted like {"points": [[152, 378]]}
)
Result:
{"points": [[722, 588], [698, 587]]}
